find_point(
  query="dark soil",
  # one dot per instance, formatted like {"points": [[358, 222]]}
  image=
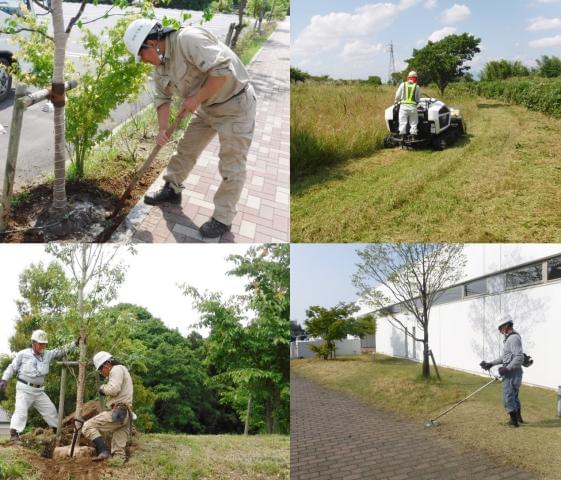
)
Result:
{"points": [[89, 201], [62, 469]]}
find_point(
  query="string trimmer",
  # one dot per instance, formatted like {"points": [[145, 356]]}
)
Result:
{"points": [[145, 166], [433, 422]]}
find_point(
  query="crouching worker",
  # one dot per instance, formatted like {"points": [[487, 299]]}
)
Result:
{"points": [[30, 368], [119, 391], [511, 369]]}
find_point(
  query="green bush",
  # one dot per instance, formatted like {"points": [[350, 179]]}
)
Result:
{"points": [[539, 94]]}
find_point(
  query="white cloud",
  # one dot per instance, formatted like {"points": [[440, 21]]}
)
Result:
{"points": [[430, 4], [542, 23], [546, 42], [359, 50], [327, 32], [549, 1], [455, 14], [440, 34]]}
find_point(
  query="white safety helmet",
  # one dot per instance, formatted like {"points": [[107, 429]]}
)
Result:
{"points": [[136, 33], [412, 73], [39, 336], [504, 320], [100, 358]]}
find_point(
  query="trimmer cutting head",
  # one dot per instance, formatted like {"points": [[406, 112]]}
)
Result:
{"points": [[431, 423]]}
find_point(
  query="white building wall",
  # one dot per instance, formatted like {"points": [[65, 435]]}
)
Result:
{"points": [[463, 333]]}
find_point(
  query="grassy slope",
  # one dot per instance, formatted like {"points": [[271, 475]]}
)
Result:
{"points": [[392, 384], [162, 457], [501, 184]]}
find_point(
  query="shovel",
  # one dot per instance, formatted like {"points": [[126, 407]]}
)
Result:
{"points": [[78, 424], [145, 165]]}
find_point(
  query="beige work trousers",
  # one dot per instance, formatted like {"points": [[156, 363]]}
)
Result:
{"points": [[234, 122], [103, 423]]}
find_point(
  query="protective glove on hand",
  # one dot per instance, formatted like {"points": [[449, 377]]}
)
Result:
{"points": [[101, 392], [485, 365], [3, 384], [503, 371]]}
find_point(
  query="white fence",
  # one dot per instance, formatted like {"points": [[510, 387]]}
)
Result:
{"points": [[301, 348]]}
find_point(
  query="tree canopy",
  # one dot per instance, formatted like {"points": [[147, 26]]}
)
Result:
{"points": [[444, 61]]}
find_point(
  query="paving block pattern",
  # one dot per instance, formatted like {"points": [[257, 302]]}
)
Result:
{"points": [[263, 210], [333, 437]]}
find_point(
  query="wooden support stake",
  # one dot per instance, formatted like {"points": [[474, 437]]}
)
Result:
{"points": [[61, 404], [435, 367]]}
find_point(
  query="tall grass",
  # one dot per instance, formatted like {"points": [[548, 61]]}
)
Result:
{"points": [[539, 94], [330, 123]]}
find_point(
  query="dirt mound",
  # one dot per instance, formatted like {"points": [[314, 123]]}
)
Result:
{"points": [[65, 468], [89, 409]]}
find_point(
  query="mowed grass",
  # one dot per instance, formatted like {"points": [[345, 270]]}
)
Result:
{"points": [[499, 184], [189, 457], [479, 424]]}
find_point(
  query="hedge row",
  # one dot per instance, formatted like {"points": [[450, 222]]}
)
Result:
{"points": [[539, 94]]}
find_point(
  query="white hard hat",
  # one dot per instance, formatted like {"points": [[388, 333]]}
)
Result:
{"points": [[100, 358], [39, 336], [412, 73], [504, 320], [136, 33]]}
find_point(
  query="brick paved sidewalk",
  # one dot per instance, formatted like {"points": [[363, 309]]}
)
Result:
{"points": [[263, 210], [333, 437]]}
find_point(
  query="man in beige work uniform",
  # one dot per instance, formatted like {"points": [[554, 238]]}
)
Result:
{"points": [[119, 391], [214, 85]]}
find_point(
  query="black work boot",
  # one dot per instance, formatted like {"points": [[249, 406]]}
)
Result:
{"points": [[213, 228], [165, 194], [14, 436], [513, 419], [519, 416], [101, 449]]}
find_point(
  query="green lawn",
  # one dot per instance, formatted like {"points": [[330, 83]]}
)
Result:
{"points": [[500, 184], [479, 424]]}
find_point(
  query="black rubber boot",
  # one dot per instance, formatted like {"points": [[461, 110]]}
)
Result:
{"points": [[165, 194], [101, 449], [519, 416], [14, 436], [213, 228], [513, 419]]}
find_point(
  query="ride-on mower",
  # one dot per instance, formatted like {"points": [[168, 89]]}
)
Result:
{"points": [[439, 126]]}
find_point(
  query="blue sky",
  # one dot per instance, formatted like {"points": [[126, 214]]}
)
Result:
{"points": [[320, 274], [348, 38]]}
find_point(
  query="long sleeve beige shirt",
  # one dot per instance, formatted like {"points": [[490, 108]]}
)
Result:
{"points": [[119, 388]]}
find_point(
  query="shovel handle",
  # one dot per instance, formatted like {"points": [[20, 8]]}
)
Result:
{"points": [[147, 163]]}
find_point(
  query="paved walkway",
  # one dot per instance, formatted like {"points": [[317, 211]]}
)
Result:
{"points": [[336, 438], [263, 211]]}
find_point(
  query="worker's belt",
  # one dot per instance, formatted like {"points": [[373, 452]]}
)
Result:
{"points": [[30, 384], [243, 90]]}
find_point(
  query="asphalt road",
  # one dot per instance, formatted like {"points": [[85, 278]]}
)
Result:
{"points": [[36, 145]]}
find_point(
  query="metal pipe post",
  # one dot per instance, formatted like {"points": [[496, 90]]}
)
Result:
{"points": [[61, 404]]}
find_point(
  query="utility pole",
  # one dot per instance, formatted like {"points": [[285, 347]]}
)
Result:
{"points": [[391, 68]]}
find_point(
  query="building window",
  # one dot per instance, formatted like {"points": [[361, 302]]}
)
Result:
{"points": [[451, 294], [521, 277], [554, 268], [478, 287]]}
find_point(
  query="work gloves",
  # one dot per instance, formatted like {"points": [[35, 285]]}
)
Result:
{"points": [[3, 384], [503, 371], [485, 365], [101, 392]]}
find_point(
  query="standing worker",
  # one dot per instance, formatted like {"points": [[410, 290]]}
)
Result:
{"points": [[30, 366], [408, 95], [214, 85], [119, 392], [511, 370]]}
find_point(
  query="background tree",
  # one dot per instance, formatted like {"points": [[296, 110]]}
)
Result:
{"points": [[549, 67], [296, 330], [240, 25], [374, 80], [443, 62], [503, 69], [332, 324], [411, 275]]}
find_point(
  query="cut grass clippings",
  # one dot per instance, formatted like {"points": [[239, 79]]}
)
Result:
{"points": [[479, 424], [171, 457], [499, 184]]}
